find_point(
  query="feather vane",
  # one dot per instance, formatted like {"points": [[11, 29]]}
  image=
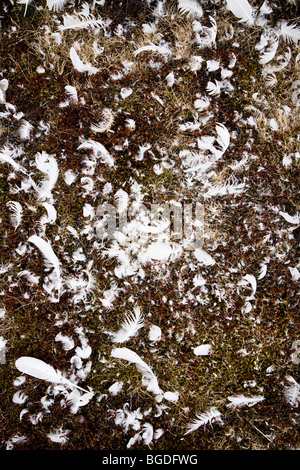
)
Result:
{"points": [[130, 326], [41, 370], [45, 248], [190, 7], [242, 10]]}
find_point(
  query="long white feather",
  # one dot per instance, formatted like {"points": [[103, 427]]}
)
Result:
{"points": [[17, 211], [51, 260], [242, 10], [190, 7], [130, 326], [41, 370]]}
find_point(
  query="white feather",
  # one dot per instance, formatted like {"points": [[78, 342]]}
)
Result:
{"points": [[263, 271], [190, 7], [17, 211], [71, 93], [106, 122], [148, 375], [41, 370], [163, 49], [122, 200], [99, 151], [56, 5], [270, 50], [289, 218], [290, 33], [242, 10], [83, 20], [241, 400], [47, 164], [79, 65], [249, 278], [130, 326], [7, 155], [214, 89], [210, 416], [51, 260], [223, 136], [24, 130]]}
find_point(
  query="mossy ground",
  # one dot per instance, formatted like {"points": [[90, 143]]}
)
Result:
{"points": [[31, 322]]}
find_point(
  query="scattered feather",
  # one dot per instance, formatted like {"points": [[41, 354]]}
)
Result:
{"points": [[129, 327], [17, 212], [289, 32], [239, 401], [98, 150], [79, 65], [51, 260], [56, 5], [149, 378], [71, 94], [41, 370], [211, 416], [242, 10], [191, 8]]}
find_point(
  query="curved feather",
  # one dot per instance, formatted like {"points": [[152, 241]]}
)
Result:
{"points": [[242, 10], [17, 211], [45, 248], [41, 370], [289, 32], [130, 326], [190, 7]]}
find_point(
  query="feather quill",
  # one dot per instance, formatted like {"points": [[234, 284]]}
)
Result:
{"points": [[41, 370], [242, 10]]}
